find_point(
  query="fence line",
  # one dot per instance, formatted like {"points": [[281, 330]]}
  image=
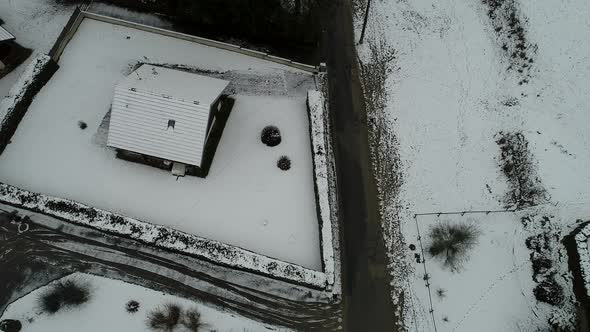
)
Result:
{"points": [[426, 276], [464, 212]]}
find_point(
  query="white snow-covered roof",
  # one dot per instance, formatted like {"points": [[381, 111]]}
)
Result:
{"points": [[177, 84], [5, 35], [163, 113]]}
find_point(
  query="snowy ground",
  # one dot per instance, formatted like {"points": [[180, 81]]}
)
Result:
{"points": [[245, 200], [36, 24], [451, 89], [105, 311]]}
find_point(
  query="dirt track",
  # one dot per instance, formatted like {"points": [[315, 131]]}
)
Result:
{"points": [[43, 254]]}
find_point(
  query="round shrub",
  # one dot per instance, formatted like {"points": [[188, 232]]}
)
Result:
{"points": [[271, 136], [68, 293], [132, 306], [284, 163], [10, 325], [82, 125], [549, 291]]}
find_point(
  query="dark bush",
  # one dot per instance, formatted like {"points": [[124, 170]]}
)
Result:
{"points": [[519, 166], [541, 265], [192, 320], [166, 318], [452, 242], [67, 293], [549, 291], [271, 136], [10, 325], [284, 163], [82, 125], [132, 306]]}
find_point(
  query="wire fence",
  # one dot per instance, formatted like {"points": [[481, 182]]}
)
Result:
{"points": [[426, 276]]}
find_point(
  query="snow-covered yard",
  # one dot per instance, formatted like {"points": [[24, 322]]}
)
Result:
{"points": [[492, 285], [106, 310], [36, 24], [244, 201], [462, 73]]}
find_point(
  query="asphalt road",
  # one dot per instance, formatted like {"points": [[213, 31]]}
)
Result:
{"points": [[366, 290]]}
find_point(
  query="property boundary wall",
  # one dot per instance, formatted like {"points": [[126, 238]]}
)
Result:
{"points": [[41, 70]]}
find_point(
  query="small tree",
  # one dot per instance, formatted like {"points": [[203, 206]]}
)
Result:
{"points": [[192, 320], [452, 242], [68, 293], [166, 318], [271, 136], [284, 163]]}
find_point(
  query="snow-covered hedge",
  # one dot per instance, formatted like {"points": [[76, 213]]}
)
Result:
{"points": [[161, 236], [319, 133], [582, 239], [15, 105]]}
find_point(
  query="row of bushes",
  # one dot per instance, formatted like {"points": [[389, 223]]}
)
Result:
{"points": [[71, 293]]}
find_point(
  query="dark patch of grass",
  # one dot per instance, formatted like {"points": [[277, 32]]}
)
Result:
{"points": [[68, 293], [72, 208], [517, 163], [452, 242], [549, 291], [165, 318], [509, 28]]}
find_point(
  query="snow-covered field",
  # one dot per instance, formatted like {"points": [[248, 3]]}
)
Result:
{"points": [[105, 310], [36, 24], [245, 200], [462, 73], [493, 285]]}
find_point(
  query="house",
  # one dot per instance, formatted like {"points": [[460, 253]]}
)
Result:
{"points": [[163, 117], [6, 39]]}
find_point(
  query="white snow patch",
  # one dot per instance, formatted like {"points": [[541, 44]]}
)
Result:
{"points": [[245, 201], [105, 311], [449, 94]]}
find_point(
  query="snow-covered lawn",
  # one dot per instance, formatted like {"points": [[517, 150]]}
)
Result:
{"points": [[36, 24], [492, 285], [244, 201], [458, 79], [105, 310]]}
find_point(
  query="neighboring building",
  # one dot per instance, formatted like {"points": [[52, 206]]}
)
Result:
{"points": [[163, 117], [6, 39]]}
